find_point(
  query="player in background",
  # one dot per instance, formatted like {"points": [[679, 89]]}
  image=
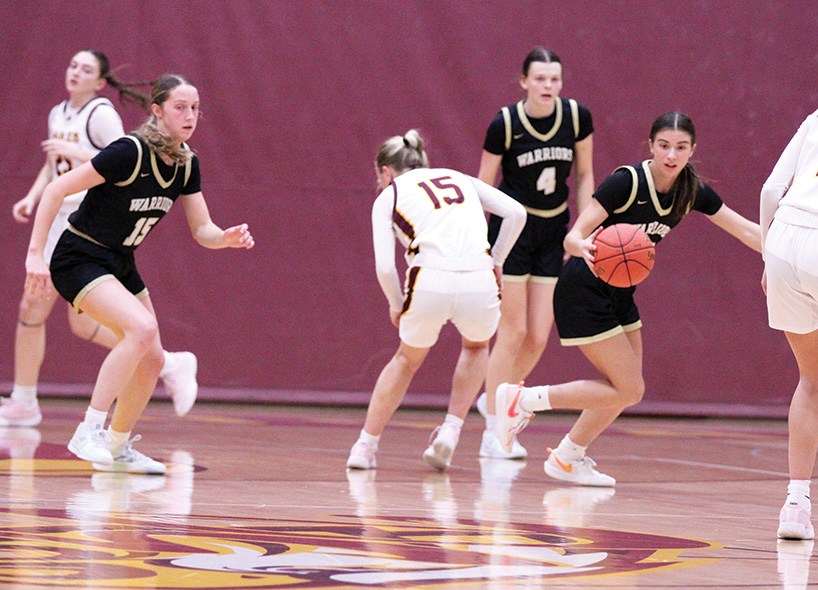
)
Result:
{"points": [[131, 185], [78, 128], [535, 143], [789, 229], [453, 275], [603, 321]]}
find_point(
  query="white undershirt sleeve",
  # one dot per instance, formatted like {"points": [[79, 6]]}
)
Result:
{"points": [[383, 239], [105, 125], [780, 179], [513, 213]]}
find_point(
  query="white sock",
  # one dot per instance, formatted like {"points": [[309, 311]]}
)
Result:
{"points": [[535, 399], [117, 439], [370, 439], [170, 363], [95, 418], [452, 419], [568, 450], [491, 421], [798, 489], [24, 395]]}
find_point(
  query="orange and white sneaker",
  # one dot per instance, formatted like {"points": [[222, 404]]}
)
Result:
{"points": [[180, 382], [580, 472], [794, 521], [511, 418], [13, 413]]}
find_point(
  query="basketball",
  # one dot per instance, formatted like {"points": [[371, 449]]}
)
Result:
{"points": [[624, 255]]}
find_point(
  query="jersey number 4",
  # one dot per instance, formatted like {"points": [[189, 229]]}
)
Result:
{"points": [[140, 230], [441, 194]]}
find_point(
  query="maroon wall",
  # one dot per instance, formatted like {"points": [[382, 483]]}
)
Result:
{"points": [[297, 95]]}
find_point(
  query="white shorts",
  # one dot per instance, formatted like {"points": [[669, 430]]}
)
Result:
{"points": [[791, 262], [470, 300], [55, 231]]}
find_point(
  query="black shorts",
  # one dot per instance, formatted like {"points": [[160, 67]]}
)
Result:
{"points": [[587, 310], [77, 265], [538, 251]]}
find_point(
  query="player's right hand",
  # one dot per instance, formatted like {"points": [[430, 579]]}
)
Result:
{"points": [[22, 210]]}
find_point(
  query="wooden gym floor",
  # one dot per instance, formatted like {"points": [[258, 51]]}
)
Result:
{"points": [[258, 497]]}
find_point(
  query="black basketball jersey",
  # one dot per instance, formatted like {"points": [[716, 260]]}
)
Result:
{"points": [[538, 153], [629, 196], [138, 191]]}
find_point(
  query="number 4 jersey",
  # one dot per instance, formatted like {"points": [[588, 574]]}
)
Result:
{"points": [[138, 191]]}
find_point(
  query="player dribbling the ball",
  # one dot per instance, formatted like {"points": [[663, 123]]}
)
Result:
{"points": [[603, 321]]}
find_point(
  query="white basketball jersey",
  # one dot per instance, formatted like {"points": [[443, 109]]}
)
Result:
{"points": [[438, 217], [76, 125]]}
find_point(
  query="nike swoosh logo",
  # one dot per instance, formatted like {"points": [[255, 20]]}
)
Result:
{"points": [[512, 409], [566, 468], [518, 136], [640, 202], [145, 174]]}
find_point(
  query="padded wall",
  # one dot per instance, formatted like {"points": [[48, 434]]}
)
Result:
{"points": [[297, 95]]}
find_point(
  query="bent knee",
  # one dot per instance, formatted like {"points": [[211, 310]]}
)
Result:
{"points": [[632, 393]]}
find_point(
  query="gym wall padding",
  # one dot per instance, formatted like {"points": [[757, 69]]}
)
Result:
{"points": [[296, 97]]}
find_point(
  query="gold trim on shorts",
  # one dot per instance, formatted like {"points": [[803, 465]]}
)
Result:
{"points": [[603, 336], [529, 278]]}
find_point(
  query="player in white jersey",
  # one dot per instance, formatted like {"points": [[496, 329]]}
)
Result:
{"points": [[78, 128], [789, 226], [453, 275]]}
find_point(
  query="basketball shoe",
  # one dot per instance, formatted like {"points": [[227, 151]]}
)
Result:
{"points": [[442, 443], [794, 520], [91, 444], [128, 460], [13, 413], [580, 472], [362, 456], [511, 418], [490, 445], [180, 381]]}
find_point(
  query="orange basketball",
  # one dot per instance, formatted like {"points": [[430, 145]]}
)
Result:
{"points": [[624, 255]]}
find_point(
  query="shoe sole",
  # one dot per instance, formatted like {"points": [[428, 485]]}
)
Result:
{"points": [[795, 531], [360, 463], [114, 468], [21, 422], [182, 410], [560, 475], [439, 455]]}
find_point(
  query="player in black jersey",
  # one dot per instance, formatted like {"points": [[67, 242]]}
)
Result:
{"points": [[131, 185], [604, 320], [78, 128], [536, 142]]}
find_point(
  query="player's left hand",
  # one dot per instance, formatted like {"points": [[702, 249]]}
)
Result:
{"points": [[238, 237]]}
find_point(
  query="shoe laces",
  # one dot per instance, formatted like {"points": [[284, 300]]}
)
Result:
{"points": [[127, 450]]}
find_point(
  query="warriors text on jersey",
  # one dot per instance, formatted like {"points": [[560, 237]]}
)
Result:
{"points": [[538, 153], [139, 190], [629, 196], [93, 126]]}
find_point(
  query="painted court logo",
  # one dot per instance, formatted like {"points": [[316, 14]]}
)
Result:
{"points": [[48, 548]]}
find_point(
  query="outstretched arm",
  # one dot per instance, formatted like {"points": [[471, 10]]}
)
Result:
{"points": [[744, 230], [207, 233]]}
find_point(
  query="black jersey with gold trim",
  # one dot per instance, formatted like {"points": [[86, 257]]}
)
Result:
{"points": [[538, 153], [138, 191], [630, 196]]}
